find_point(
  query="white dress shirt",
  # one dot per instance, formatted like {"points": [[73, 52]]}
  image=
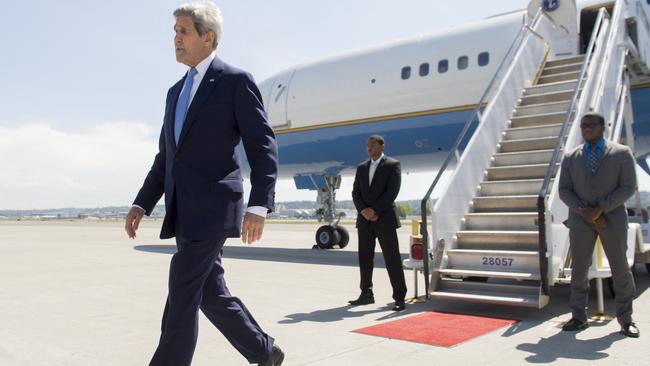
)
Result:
{"points": [[373, 168], [201, 69]]}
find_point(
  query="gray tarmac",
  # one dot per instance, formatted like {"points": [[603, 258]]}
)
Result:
{"points": [[81, 293]]}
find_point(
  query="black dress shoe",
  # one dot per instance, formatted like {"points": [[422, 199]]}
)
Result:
{"points": [[575, 325], [630, 330], [363, 299], [399, 306], [275, 359]]}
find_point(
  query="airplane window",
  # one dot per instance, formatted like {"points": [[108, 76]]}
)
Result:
{"points": [[443, 66], [483, 58], [424, 69], [406, 72], [463, 62]]}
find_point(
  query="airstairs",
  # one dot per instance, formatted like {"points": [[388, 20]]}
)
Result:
{"points": [[499, 238], [497, 232]]}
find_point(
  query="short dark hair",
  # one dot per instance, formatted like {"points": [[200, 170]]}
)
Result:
{"points": [[595, 115], [377, 138]]}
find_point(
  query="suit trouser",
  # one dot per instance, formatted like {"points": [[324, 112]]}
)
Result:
{"points": [[196, 280], [390, 249], [615, 247]]}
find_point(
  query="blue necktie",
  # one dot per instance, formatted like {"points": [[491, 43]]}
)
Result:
{"points": [[183, 103]]}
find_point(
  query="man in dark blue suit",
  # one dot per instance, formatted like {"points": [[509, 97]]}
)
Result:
{"points": [[207, 114]]}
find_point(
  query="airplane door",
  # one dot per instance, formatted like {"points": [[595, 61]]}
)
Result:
{"points": [[277, 103]]}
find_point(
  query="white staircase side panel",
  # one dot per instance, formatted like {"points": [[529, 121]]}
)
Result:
{"points": [[453, 203]]}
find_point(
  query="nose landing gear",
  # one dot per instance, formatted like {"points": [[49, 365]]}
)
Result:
{"points": [[332, 234]]}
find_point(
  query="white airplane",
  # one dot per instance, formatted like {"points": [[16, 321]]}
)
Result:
{"points": [[417, 92]]}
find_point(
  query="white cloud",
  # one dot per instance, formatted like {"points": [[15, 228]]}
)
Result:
{"points": [[42, 167], [46, 168]]}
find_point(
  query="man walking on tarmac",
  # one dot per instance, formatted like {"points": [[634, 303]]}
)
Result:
{"points": [[208, 112]]}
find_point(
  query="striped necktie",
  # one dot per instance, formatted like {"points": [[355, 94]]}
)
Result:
{"points": [[183, 104], [593, 160]]}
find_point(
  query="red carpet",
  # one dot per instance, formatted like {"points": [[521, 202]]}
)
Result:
{"points": [[437, 329]]}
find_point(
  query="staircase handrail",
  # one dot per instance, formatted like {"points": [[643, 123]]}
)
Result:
{"points": [[614, 47], [620, 112], [541, 206], [475, 116]]}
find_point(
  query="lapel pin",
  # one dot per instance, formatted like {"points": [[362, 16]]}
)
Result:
{"points": [[212, 80]]}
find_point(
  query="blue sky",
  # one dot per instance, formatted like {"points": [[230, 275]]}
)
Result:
{"points": [[83, 82]]}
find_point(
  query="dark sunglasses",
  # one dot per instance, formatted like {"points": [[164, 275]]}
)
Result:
{"points": [[591, 125]]}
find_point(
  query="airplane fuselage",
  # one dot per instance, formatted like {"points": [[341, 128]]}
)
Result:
{"points": [[416, 92]]}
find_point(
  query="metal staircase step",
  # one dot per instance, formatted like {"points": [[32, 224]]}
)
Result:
{"points": [[565, 61], [542, 108], [519, 133], [481, 240], [538, 119], [500, 261], [560, 69], [490, 274], [490, 293], [514, 203], [558, 96], [523, 157], [530, 171], [501, 221], [515, 188], [539, 143], [549, 88], [572, 75]]}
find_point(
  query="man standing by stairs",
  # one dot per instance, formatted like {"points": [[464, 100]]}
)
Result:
{"points": [[595, 181], [376, 186]]}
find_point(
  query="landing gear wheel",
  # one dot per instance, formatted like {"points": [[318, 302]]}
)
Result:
{"points": [[327, 236], [345, 236]]}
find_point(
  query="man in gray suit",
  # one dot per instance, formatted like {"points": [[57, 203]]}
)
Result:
{"points": [[596, 180]]}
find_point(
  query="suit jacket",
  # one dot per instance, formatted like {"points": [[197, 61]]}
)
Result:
{"points": [[200, 177], [613, 183], [381, 194]]}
